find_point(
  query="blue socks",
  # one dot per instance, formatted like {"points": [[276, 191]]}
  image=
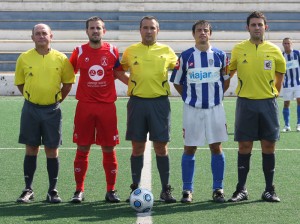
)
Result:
{"points": [[218, 169], [188, 170], [286, 115]]}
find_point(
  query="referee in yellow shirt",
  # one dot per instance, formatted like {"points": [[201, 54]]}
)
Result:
{"points": [[44, 77], [260, 67], [148, 109]]}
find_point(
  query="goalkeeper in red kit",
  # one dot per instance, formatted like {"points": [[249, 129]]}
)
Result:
{"points": [[95, 119]]}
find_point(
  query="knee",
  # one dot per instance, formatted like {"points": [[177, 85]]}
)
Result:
{"points": [[51, 153], [161, 151], [138, 150], [216, 151], [84, 148], [32, 150], [216, 148], [190, 150], [245, 147]]}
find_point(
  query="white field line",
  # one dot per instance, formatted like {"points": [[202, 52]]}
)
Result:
{"points": [[255, 149], [146, 218], [146, 173], [146, 179]]}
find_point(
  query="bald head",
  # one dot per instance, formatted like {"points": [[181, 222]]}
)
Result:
{"points": [[41, 26], [42, 36]]}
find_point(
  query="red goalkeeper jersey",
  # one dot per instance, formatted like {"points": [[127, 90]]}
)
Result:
{"points": [[96, 81]]}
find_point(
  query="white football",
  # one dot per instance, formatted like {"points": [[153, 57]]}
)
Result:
{"points": [[141, 200]]}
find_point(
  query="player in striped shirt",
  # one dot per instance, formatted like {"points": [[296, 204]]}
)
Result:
{"points": [[291, 84], [199, 79]]}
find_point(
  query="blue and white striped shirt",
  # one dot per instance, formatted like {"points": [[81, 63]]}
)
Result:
{"points": [[201, 75], [292, 75]]}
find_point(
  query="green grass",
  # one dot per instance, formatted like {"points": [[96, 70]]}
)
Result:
{"points": [[95, 210]]}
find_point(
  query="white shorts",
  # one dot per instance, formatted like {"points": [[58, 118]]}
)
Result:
{"points": [[204, 126], [289, 94]]}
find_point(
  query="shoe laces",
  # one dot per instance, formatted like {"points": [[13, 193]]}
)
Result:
{"points": [[186, 194], [77, 193], [25, 192], [53, 193], [112, 191], [218, 193], [168, 190], [237, 192]]}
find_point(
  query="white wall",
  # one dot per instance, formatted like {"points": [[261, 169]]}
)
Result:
{"points": [[7, 87]]}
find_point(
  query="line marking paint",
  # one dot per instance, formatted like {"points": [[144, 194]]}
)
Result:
{"points": [[146, 180]]}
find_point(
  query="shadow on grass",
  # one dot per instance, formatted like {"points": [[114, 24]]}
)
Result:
{"points": [[165, 209], [83, 212], [99, 211]]}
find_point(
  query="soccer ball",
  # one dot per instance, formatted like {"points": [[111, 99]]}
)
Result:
{"points": [[141, 200]]}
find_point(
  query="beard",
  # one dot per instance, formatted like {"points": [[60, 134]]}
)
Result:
{"points": [[257, 37], [94, 41]]}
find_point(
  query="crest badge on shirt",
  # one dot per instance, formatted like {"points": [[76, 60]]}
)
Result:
{"points": [[104, 61], [267, 65], [210, 62], [177, 66]]}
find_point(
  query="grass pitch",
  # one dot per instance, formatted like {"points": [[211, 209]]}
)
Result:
{"points": [[95, 210]]}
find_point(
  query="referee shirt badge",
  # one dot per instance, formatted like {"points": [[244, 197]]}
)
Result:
{"points": [[267, 65]]}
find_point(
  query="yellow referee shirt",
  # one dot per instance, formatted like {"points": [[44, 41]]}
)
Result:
{"points": [[148, 66], [42, 75], [256, 66]]}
